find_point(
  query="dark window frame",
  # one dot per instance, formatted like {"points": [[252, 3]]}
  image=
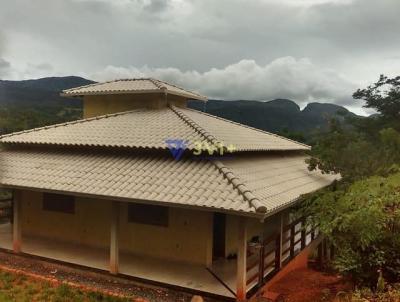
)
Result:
{"points": [[147, 214], [58, 203]]}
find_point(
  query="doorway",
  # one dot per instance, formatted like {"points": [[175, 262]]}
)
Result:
{"points": [[219, 229]]}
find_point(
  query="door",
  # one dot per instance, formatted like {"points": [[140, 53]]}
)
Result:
{"points": [[219, 235]]}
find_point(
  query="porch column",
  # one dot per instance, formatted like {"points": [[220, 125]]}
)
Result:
{"points": [[281, 232], [114, 242], [241, 276], [209, 249], [17, 232]]}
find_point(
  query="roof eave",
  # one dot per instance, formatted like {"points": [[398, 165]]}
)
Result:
{"points": [[78, 94], [155, 91], [292, 202], [133, 200]]}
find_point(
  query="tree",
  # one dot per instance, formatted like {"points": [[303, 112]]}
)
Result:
{"points": [[371, 146], [356, 155], [383, 96], [363, 222], [361, 214]]}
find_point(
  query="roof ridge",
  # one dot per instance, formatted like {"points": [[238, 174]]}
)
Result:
{"points": [[247, 194], [69, 123], [249, 127], [173, 85], [157, 84], [208, 136]]}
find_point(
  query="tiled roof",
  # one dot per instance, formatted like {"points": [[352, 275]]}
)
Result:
{"points": [[125, 86], [142, 128], [149, 178], [278, 180], [251, 185], [244, 138], [150, 128]]}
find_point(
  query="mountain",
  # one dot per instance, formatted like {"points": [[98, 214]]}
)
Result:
{"points": [[33, 103], [39, 93], [278, 116]]}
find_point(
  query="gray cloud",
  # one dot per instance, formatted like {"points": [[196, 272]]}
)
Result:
{"points": [[201, 34], [2, 42], [300, 80], [33, 70], [157, 6], [4, 65], [4, 68], [347, 42]]}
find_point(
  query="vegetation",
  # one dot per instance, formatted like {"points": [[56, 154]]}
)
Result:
{"points": [[361, 214], [392, 294], [279, 116], [21, 118], [34, 103], [18, 288]]}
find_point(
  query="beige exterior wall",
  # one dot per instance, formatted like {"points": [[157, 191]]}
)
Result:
{"points": [[95, 105], [187, 238], [90, 225]]}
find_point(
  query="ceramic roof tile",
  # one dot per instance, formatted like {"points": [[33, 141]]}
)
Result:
{"points": [[68, 172], [278, 180], [151, 128], [125, 86], [143, 128], [243, 138], [243, 184]]}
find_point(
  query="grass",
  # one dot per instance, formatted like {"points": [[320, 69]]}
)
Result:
{"points": [[18, 288]]}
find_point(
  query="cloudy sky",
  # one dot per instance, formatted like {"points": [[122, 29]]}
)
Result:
{"points": [[305, 50]]}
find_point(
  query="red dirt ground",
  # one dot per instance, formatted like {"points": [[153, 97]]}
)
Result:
{"points": [[90, 281], [309, 285]]}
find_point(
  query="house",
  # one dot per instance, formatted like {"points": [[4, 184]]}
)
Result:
{"points": [[147, 188]]}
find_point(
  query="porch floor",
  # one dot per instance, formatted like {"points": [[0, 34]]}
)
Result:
{"points": [[225, 270], [185, 275]]}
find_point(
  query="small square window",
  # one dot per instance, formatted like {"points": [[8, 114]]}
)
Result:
{"points": [[148, 214], [59, 203]]}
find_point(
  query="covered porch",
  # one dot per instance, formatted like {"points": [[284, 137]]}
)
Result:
{"points": [[234, 277], [259, 262], [179, 274]]}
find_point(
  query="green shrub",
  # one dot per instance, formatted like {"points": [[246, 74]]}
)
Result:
{"points": [[366, 295], [363, 222]]}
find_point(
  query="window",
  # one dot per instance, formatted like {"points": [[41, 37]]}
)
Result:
{"points": [[148, 214], [59, 203]]}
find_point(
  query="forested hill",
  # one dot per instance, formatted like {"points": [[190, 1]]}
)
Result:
{"points": [[39, 93], [279, 116], [32, 103]]}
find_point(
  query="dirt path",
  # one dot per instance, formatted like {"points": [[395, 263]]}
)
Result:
{"points": [[92, 281], [309, 285]]}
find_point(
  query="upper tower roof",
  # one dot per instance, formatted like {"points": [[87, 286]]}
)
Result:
{"points": [[132, 86]]}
